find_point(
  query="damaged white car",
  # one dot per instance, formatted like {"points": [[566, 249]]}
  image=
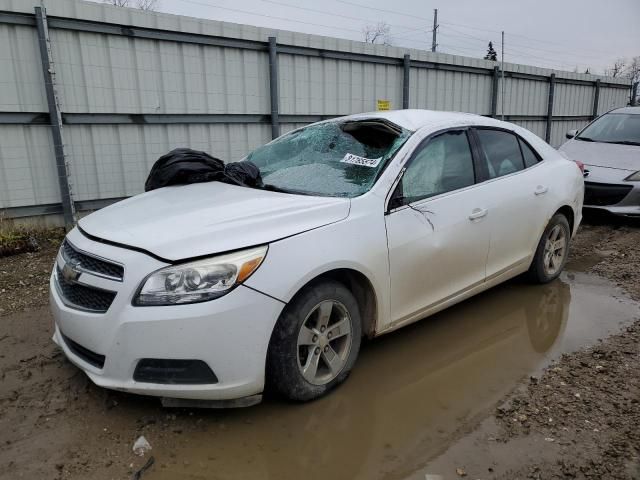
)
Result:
{"points": [[363, 224]]}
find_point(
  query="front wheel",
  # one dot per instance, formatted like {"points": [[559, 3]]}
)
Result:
{"points": [[315, 342], [552, 252]]}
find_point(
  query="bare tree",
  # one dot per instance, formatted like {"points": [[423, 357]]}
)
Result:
{"points": [[632, 72], [151, 5], [625, 68], [118, 3], [141, 4], [378, 33], [616, 69], [633, 69]]}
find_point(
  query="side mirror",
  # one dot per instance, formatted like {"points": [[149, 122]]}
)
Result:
{"points": [[571, 133]]}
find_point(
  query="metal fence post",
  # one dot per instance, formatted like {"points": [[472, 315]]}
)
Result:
{"points": [[405, 80], [552, 87], [494, 92], [596, 99], [273, 88], [55, 117]]}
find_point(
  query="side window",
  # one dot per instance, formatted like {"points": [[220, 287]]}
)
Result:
{"points": [[442, 165], [501, 151], [530, 157]]}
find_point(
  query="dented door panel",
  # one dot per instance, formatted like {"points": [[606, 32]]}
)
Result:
{"points": [[436, 250]]}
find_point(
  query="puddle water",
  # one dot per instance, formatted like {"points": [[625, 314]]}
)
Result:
{"points": [[412, 393], [585, 262]]}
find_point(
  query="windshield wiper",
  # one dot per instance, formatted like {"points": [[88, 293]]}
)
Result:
{"points": [[273, 188], [624, 142], [585, 139]]}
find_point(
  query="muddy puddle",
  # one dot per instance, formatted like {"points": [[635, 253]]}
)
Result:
{"points": [[412, 394]]}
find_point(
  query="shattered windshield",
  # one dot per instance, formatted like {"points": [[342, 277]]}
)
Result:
{"points": [[329, 159]]}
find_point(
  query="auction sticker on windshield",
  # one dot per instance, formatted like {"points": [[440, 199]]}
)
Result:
{"points": [[357, 160]]}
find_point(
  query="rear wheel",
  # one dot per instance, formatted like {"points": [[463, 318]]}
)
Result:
{"points": [[315, 342], [552, 252]]}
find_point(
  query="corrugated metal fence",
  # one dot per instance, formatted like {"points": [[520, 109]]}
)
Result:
{"points": [[132, 85]]}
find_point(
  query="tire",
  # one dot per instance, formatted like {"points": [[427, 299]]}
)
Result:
{"points": [[546, 267], [299, 342]]}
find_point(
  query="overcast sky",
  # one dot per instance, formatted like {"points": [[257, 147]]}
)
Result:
{"points": [[561, 34]]}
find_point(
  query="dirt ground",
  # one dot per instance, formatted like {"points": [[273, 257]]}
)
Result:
{"points": [[577, 418], [30, 270], [589, 401]]}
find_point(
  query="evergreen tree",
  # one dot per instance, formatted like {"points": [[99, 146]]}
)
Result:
{"points": [[491, 53]]}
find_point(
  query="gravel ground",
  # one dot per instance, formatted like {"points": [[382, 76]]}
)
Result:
{"points": [[25, 277], [612, 251], [588, 401], [585, 404]]}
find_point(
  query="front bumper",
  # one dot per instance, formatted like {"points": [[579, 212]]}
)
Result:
{"points": [[606, 189], [230, 334]]}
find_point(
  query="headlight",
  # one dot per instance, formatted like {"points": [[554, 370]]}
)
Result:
{"points": [[634, 177], [199, 281]]}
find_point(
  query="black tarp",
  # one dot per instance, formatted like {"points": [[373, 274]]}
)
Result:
{"points": [[183, 166]]}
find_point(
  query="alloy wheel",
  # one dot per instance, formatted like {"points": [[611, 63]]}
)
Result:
{"points": [[324, 342], [555, 250]]}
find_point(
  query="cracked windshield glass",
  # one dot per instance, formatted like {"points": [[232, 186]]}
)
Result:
{"points": [[341, 159]]}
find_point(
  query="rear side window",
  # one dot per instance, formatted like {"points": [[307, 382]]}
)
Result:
{"points": [[530, 157], [501, 151]]}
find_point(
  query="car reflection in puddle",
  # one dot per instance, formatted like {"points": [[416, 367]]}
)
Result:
{"points": [[413, 392]]}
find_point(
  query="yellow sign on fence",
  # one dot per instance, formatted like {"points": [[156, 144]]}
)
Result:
{"points": [[384, 104]]}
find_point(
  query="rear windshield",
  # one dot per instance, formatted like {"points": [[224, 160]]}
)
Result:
{"points": [[337, 158], [621, 128]]}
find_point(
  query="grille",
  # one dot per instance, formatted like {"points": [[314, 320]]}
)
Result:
{"points": [[87, 355], [91, 264], [601, 194], [84, 297]]}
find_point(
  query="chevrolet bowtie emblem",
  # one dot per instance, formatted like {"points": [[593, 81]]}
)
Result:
{"points": [[69, 273]]}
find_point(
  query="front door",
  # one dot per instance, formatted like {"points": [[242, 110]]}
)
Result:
{"points": [[437, 229]]}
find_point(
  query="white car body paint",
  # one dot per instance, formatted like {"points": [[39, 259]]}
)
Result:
{"points": [[206, 218], [417, 263], [604, 155]]}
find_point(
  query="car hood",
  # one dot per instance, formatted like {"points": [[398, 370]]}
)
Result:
{"points": [[181, 222], [611, 155]]}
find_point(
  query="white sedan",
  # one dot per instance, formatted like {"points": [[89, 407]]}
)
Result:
{"points": [[364, 224]]}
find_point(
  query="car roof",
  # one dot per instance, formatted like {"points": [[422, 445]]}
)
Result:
{"points": [[632, 110], [414, 119]]}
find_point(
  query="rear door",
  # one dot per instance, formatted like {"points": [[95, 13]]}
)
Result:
{"points": [[520, 183], [437, 229]]}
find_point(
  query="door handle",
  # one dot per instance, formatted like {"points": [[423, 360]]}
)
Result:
{"points": [[541, 190], [478, 213]]}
